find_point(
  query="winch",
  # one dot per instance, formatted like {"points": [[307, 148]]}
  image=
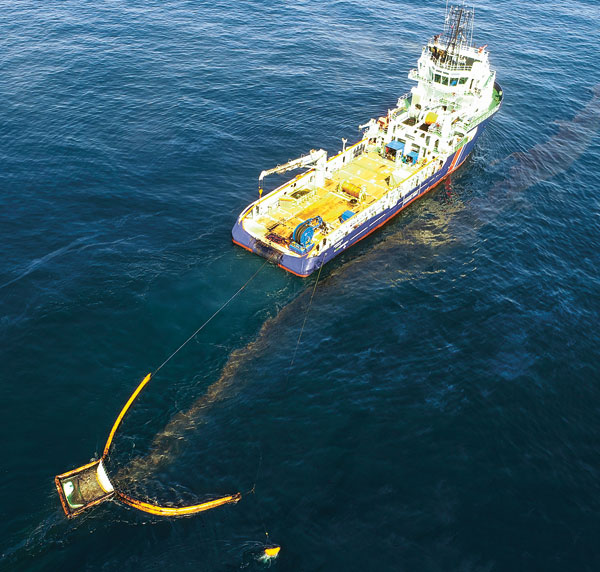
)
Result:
{"points": [[303, 234]]}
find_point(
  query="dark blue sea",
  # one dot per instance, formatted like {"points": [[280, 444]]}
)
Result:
{"points": [[441, 409]]}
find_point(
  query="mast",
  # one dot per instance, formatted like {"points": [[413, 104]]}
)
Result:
{"points": [[458, 32]]}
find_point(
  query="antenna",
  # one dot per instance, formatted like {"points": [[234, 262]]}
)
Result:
{"points": [[458, 31]]}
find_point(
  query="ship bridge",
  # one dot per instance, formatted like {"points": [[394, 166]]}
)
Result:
{"points": [[453, 74]]}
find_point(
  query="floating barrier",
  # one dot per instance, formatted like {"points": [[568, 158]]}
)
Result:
{"points": [[87, 486]]}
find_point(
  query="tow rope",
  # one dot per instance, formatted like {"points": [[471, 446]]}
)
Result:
{"points": [[90, 485]]}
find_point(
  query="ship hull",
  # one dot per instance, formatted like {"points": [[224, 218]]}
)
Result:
{"points": [[304, 266]]}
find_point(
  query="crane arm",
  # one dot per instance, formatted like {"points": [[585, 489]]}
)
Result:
{"points": [[305, 161], [370, 128]]}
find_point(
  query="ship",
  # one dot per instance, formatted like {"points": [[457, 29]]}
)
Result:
{"points": [[337, 201]]}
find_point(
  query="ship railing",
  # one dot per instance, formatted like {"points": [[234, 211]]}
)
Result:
{"points": [[401, 106], [481, 118], [453, 67], [337, 161], [447, 100], [408, 183], [407, 95], [397, 112], [414, 75], [403, 187]]}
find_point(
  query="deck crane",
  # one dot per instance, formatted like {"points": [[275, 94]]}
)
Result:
{"points": [[318, 158]]}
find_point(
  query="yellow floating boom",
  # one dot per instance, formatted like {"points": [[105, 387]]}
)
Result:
{"points": [[89, 485]]}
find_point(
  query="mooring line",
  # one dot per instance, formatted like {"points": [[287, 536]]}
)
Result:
{"points": [[207, 321], [253, 491], [151, 375], [305, 317]]}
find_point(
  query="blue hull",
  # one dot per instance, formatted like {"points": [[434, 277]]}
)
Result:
{"points": [[305, 265]]}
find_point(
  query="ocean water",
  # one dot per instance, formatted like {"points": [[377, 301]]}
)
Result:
{"points": [[440, 410]]}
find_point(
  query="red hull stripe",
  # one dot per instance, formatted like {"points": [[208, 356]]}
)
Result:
{"points": [[294, 273], [455, 160], [242, 245]]}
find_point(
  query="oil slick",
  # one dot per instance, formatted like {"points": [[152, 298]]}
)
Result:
{"points": [[550, 158], [554, 156]]}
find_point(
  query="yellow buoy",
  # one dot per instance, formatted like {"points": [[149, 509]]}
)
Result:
{"points": [[272, 551]]}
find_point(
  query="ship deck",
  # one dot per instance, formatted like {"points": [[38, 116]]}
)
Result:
{"points": [[368, 171]]}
